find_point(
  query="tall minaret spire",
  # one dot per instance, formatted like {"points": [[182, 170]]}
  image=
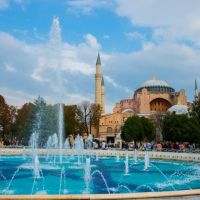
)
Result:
{"points": [[98, 77], [102, 95], [99, 85], [196, 92]]}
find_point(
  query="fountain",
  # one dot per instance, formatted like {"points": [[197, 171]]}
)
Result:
{"points": [[60, 130], [87, 175], [78, 147], [52, 143], [24, 153], [55, 54], [66, 144], [126, 164], [96, 177], [117, 157], [97, 156], [146, 161], [90, 141], [135, 156], [35, 160]]}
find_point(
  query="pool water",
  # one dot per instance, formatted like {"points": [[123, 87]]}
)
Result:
{"points": [[107, 176]]}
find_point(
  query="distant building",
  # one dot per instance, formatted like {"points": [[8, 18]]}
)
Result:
{"points": [[153, 97]]}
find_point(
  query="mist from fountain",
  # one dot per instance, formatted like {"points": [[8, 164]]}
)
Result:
{"points": [[61, 179], [126, 164], [60, 130], [90, 141], [87, 176], [146, 161], [55, 48], [66, 144], [97, 156], [117, 156], [24, 153], [78, 147], [35, 182], [52, 143], [135, 156], [35, 160]]}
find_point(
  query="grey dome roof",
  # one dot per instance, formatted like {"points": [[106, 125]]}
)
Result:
{"points": [[178, 109], [155, 85], [155, 82]]}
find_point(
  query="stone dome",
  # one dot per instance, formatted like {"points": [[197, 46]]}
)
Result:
{"points": [[155, 85], [178, 109], [155, 82]]}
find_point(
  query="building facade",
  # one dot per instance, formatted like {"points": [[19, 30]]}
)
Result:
{"points": [[151, 98]]}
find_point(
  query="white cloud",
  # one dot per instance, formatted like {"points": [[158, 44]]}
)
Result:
{"points": [[116, 85], [87, 6], [16, 97], [39, 72], [92, 41], [170, 20], [177, 64]]}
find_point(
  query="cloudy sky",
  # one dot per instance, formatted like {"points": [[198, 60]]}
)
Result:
{"points": [[136, 39]]}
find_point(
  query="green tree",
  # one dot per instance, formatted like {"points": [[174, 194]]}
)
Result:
{"points": [[72, 124], [133, 130], [94, 117], [7, 119], [149, 129], [22, 120], [195, 112], [180, 128]]}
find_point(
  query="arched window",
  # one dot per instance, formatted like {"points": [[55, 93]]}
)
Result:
{"points": [[159, 104], [109, 130]]}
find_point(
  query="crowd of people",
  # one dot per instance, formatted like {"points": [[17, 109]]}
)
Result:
{"points": [[150, 146], [162, 146], [9, 142]]}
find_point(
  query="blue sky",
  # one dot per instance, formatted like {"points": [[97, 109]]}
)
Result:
{"points": [[136, 39]]}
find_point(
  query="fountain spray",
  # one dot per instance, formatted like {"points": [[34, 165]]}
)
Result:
{"points": [[126, 164], [55, 48], [135, 156], [146, 160], [87, 175]]}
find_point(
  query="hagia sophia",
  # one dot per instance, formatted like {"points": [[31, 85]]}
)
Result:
{"points": [[152, 97]]}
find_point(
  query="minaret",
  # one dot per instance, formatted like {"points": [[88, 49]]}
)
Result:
{"points": [[102, 96], [196, 92], [99, 86], [98, 79]]}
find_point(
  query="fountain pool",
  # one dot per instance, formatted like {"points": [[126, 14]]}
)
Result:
{"points": [[106, 175]]}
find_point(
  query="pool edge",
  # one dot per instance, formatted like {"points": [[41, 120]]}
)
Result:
{"points": [[146, 195]]}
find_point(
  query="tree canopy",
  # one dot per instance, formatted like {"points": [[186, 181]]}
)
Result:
{"points": [[89, 115], [195, 112], [138, 129], [7, 118], [180, 128]]}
